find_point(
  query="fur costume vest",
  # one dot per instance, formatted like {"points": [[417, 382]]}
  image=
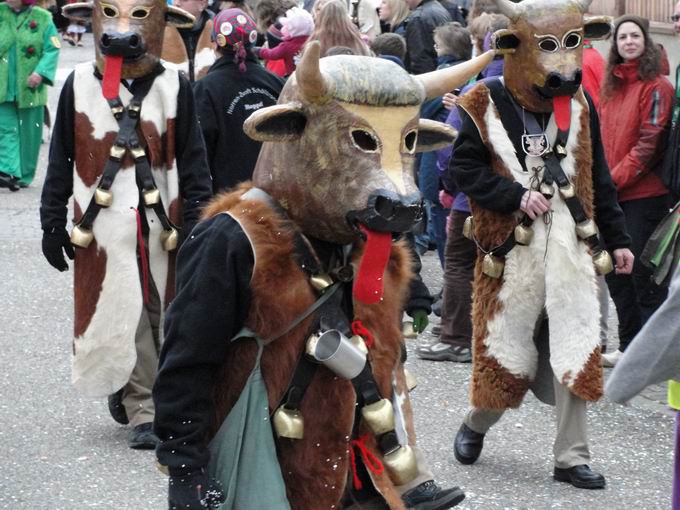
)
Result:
{"points": [[315, 469], [107, 280], [555, 272]]}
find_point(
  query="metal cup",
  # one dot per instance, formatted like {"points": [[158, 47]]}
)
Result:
{"points": [[103, 197], [401, 465], [337, 352], [467, 227], [492, 266], [169, 239], [586, 229], [524, 234], [289, 423], [81, 237], [603, 262], [379, 416]]}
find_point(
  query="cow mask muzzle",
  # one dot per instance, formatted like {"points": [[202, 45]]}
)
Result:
{"points": [[389, 212], [557, 85]]}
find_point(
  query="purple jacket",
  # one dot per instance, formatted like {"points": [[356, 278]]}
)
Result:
{"points": [[460, 203]]}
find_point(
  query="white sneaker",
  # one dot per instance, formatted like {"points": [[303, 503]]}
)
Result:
{"points": [[610, 359]]}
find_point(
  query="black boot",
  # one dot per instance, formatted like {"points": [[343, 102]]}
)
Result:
{"points": [[117, 409], [580, 476], [467, 447], [9, 181], [142, 437], [429, 496]]}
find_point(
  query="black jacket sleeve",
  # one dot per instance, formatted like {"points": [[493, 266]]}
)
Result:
{"points": [[58, 186], [192, 165], [214, 269], [470, 167], [420, 54], [608, 214]]}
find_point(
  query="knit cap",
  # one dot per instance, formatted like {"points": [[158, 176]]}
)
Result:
{"points": [[234, 29]]}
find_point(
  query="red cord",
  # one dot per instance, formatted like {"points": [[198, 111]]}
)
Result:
{"points": [[359, 329], [144, 260], [371, 462]]}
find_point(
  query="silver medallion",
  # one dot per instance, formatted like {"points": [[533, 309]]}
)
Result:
{"points": [[535, 145]]}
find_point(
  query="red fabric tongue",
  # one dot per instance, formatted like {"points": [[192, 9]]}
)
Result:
{"points": [[368, 285], [562, 109], [111, 80]]}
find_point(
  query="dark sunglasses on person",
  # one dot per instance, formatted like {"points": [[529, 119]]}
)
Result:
{"points": [[675, 18]]}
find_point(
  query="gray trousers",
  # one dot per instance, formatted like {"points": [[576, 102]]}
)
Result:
{"points": [[137, 392], [571, 440]]}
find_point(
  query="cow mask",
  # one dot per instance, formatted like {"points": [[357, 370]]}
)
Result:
{"points": [[351, 129], [131, 30], [543, 49]]}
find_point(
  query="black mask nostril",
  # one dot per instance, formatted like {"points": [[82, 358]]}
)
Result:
{"points": [[106, 40], [554, 81], [578, 77], [134, 41], [384, 207]]}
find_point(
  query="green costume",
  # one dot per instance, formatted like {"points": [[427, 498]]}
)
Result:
{"points": [[29, 44]]}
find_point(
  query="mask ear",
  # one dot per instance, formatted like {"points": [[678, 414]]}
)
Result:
{"points": [[597, 28], [80, 11], [278, 123], [505, 41], [433, 135], [179, 17]]}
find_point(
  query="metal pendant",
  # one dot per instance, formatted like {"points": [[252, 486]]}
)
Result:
{"points": [[535, 145]]}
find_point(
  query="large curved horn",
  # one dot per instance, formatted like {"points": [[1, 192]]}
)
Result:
{"points": [[438, 83], [313, 86], [584, 5], [508, 8]]}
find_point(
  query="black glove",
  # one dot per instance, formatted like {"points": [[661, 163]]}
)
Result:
{"points": [[55, 242], [194, 491]]}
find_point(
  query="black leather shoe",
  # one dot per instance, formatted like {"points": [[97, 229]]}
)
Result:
{"points": [[429, 496], [580, 476], [143, 438], [117, 409], [9, 181], [467, 447]]}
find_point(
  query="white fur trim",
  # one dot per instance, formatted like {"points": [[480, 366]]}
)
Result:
{"points": [[555, 271]]}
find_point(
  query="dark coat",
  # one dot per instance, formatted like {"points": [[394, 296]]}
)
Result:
{"points": [[225, 98], [420, 55]]}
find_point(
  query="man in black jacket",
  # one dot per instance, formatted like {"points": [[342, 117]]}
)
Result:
{"points": [[426, 15], [227, 96]]}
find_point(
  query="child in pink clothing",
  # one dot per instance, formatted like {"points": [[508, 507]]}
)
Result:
{"points": [[297, 26]]}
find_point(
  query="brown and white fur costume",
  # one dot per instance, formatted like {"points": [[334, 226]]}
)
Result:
{"points": [[555, 271]]}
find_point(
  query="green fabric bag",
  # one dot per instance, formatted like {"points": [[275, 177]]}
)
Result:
{"points": [[662, 251], [243, 454]]}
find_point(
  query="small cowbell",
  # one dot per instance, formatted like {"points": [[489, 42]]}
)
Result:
{"points": [[151, 197], [523, 234], [401, 465], [492, 266], [81, 237], [603, 262], [467, 227], [586, 229], [169, 239], [103, 197], [289, 423], [567, 191], [547, 190], [321, 282], [379, 416]]}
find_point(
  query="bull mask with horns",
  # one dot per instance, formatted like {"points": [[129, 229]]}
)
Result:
{"points": [[543, 48], [351, 129], [129, 32]]}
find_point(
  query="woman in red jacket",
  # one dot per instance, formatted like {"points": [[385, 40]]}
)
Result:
{"points": [[635, 109]]}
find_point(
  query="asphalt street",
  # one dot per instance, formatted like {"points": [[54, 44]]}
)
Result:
{"points": [[62, 451]]}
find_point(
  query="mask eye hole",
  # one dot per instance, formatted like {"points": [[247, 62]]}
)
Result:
{"points": [[548, 45], [410, 141], [109, 11], [572, 40], [364, 140], [140, 13]]}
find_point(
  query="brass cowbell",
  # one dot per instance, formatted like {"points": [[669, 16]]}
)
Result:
{"points": [[170, 239], [151, 197], [289, 423], [523, 234], [379, 416], [492, 266], [401, 465], [603, 262], [81, 237], [467, 227], [586, 229], [103, 197]]}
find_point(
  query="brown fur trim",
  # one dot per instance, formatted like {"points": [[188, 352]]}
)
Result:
{"points": [[589, 381], [315, 468], [583, 156]]}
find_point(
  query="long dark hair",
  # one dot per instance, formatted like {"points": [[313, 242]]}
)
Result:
{"points": [[649, 66]]}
